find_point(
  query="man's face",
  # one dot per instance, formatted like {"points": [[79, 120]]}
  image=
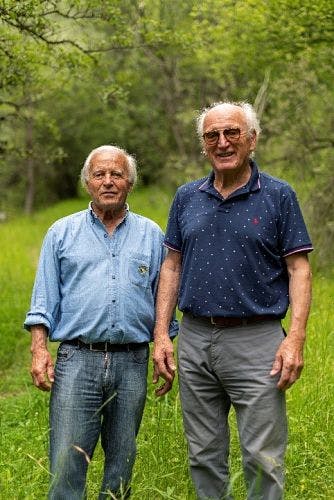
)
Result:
{"points": [[108, 181], [228, 153]]}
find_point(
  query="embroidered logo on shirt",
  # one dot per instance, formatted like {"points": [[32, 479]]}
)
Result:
{"points": [[143, 269], [255, 220]]}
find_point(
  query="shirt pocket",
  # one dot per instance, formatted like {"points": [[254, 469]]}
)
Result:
{"points": [[139, 270]]}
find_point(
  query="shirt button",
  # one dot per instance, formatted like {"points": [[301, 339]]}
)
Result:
{"points": [[112, 326], [113, 255], [113, 300], [105, 235], [113, 277]]}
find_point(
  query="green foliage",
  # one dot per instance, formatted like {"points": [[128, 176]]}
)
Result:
{"points": [[161, 470], [80, 73]]}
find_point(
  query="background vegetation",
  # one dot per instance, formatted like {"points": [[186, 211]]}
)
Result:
{"points": [[79, 73]]}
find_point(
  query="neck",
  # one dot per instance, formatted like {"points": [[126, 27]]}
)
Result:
{"points": [[227, 182], [110, 218]]}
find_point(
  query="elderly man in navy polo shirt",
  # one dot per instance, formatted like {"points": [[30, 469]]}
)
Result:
{"points": [[237, 258]]}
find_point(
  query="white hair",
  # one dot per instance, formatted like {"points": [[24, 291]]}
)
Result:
{"points": [[130, 162], [252, 120]]}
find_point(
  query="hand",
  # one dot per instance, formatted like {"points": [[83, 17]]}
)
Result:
{"points": [[164, 364], [288, 361], [42, 371]]}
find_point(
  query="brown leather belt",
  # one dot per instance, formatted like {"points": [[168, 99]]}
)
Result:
{"points": [[224, 322], [106, 346]]}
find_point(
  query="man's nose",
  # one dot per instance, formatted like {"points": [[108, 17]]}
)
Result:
{"points": [[108, 178], [222, 141]]}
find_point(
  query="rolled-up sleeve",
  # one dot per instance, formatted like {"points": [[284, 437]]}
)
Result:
{"points": [[44, 308]]}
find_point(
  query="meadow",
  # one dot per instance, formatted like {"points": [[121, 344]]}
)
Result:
{"points": [[161, 470]]}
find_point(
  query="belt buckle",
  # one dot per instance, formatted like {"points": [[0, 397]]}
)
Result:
{"points": [[99, 350]]}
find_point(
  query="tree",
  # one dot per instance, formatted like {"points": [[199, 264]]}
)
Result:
{"points": [[41, 40], [135, 73]]}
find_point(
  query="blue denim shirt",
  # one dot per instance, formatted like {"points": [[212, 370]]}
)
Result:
{"points": [[95, 286]]}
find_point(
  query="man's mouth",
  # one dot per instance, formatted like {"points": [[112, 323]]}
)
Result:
{"points": [[225, 154]]}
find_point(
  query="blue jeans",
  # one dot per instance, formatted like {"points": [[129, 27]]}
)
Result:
{"points": [[95, 394]]}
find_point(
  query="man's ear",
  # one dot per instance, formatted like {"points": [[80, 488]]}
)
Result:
{"points": [[253, 141]]}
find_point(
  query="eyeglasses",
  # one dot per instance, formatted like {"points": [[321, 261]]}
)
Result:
{"points": [[100, 175], [231, 135]]}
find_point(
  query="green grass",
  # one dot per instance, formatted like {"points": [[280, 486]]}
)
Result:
{"points": [[161, 470]]}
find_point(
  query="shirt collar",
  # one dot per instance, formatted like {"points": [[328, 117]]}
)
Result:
{"points": [[95, 218], [252, 185]]}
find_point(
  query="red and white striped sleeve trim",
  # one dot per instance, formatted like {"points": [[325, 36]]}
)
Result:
{"points": [[306, 249]]}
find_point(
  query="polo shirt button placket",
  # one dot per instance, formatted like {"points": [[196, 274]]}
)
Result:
{"points": [[224, 208]]}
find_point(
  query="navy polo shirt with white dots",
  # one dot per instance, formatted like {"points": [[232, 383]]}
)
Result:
{"points": [[233, 249]]}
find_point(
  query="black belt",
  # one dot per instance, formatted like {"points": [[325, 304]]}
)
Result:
{"points": [[107, 346], [224, 322]]}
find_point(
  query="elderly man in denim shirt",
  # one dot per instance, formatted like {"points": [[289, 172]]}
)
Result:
{"points": [[94, 293]]}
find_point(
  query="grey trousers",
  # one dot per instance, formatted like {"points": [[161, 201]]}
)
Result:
{"points": [[220, 367]]}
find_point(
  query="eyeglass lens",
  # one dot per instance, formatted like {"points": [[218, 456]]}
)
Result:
{"points": [[230, 134]]}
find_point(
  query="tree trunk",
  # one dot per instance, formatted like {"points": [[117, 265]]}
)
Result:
{"points": [[30, 172]]}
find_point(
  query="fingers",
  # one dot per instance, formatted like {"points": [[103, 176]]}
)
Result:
{"points": [[289, 372], [161, 370], [51, 373], [41, 382], [167, 385], [155, 374], [163, 389], [288, 363], [170, 363], [277, 366], [164, 367], [42, 372], [163, 360]]}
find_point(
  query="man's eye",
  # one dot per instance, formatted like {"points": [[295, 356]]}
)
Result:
{"points": [[212, 135], [232, 132]]}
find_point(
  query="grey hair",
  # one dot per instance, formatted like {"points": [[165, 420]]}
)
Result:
{"points": [[130, 162], [252, 120]]}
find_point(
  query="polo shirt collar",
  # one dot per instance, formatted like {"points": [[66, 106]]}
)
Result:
{"points": [[252, 185]]}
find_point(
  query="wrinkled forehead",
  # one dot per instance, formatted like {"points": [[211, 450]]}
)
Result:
{"points": [[108, 159], [225, 116]]}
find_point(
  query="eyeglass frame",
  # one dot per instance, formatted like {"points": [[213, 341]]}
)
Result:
{"points": [[224, 131]]}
